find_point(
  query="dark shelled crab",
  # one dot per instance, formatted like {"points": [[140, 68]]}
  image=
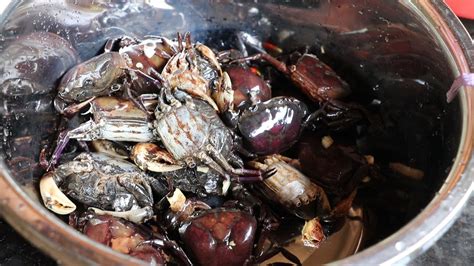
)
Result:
{"points": [[337, 168], [313, 77], [224, 235], [129, 238], [110, 185], [133, 67]]}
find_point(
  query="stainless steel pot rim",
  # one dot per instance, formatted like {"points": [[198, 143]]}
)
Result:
{"points": [[412, 239]]}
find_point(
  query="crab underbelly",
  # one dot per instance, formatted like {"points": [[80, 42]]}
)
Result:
{"points": [[183, 132]]}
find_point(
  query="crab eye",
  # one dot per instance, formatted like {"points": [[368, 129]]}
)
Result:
{"points": [[88, 83]]}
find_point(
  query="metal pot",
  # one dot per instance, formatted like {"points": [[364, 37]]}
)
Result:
{"points": [[405, 53]]}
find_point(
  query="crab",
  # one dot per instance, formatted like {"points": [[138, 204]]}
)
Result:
{"points": [[200, 180], [196, 70], [109, 185], [192, 132], [291, 188], [127, 65]]}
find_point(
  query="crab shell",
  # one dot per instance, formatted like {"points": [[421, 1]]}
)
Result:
{"points": [[186, 130], [108, 183], [220, 236], [273, 126], [317, 80], [290, 188], [94, 77]]}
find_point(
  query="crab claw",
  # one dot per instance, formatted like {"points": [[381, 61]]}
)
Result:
{"points": [[149, 156], [53, 198], [209, 55], [192, 84]]}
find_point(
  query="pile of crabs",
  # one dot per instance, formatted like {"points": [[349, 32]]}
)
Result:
{"points": [[175, 153]]}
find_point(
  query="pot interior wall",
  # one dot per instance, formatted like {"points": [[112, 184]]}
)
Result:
{"points": [[391, 60]]}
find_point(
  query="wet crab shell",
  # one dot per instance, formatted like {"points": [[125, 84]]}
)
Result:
{"points": [[187, 129], [120, 235], [94, 180], [317, 80], [220, 236], [94, 77], [272, 126], [248, 87]]}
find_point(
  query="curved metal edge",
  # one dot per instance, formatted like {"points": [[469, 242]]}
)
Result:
{"points": [[466, 41], [422, 232], [51, 235], [8, 9]]}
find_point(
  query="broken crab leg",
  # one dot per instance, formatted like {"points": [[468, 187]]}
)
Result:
{"points": [[312, 233], [136, 216], [63, 140]]}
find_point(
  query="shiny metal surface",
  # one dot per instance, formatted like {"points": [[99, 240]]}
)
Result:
{"points": [[389, 49]]}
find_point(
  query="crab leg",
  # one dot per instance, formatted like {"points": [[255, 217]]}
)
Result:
{"points": [[110, 129], [221, 160], [74, 108], [63, 140], [280, 66], [236, 160], [206, 159], [141, 192], [136, 216]]}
